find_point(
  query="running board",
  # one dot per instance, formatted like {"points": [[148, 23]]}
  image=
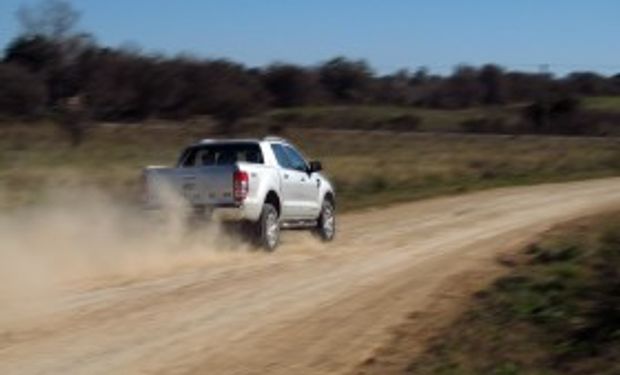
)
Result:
{"points": [[299, 224]]}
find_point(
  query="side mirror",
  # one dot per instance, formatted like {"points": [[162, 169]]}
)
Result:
{"points": [[315, 166]]}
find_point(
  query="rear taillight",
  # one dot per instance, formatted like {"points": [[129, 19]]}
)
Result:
{"points": [[241, 185]]}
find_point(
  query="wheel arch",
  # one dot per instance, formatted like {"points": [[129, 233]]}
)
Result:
{"points": [[273, 198], [329, 196]]}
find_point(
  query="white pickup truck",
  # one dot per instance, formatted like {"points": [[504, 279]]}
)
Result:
{"points": [[264, 182]]}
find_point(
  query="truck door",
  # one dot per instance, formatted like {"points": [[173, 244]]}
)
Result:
{"points": [[306, 184], [291, 189]]}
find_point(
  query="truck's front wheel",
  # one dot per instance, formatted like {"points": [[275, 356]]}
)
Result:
{"points": [[326, 225], [269, 228]]}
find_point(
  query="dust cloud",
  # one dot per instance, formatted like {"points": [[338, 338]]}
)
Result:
{"points": [[84, 238]]}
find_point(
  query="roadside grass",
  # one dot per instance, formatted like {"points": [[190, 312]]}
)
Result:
{"points": [[368, 168], [557, 312]]}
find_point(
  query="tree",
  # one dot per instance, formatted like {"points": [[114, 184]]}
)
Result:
{"points": [[53, 19], [492, 79], [420, 77], [395, 89], [527, 86], [587, 83], [55, 63], [615, 84], [119, 86], [289, 85], [50, 47], [234, 93], [21, 93], [463, 87], [35, 53], [346, 80]]}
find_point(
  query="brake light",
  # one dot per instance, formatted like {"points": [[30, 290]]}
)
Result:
{"points": [[241, 185]]}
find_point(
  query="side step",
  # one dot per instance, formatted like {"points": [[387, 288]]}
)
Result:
{"points": [[299, 224]]}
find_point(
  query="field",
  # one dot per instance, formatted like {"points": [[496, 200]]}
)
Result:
{"points": [[369, 168]]}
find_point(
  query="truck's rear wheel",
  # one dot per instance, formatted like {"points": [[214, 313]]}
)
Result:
{"points": [[269, 228], [326, 225]]}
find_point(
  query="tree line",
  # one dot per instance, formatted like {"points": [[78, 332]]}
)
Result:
{"points": [[49, 63]]}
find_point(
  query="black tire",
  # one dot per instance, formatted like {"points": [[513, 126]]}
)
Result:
{"points": [[326, 224], [268, 230]]}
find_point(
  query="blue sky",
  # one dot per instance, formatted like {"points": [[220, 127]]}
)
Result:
{"points": [[519, 34]]}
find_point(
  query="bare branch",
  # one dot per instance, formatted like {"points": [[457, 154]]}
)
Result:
{"points": [[55, 19]]}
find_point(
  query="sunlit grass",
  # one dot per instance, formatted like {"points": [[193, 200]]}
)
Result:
{"points": [[602, 103], [368, 168]]}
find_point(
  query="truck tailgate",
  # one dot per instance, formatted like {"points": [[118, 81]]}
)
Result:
{"points": [[214, 184], [208, 185]]}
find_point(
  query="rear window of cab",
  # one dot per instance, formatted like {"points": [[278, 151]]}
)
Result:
{"points": [[221, 154]]}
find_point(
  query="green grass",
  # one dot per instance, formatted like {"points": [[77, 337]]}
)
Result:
{"points": [[368, 168], [602, 103], [558, 312], [372, 117], [601, 110]]}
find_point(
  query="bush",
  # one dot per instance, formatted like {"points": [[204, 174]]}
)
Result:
{"points": [[402, 122], [21, 93], [483, 125], [602, 122], [557, 116]]}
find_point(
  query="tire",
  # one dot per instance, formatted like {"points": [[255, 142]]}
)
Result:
{"points": [[326, 224], [269, 228]]}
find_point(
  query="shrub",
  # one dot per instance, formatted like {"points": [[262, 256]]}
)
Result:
{"points": [[557, 116], [402, 122], [21, 93], [483, 125]]}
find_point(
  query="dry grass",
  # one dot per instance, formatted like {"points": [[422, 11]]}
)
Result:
{"points": [[369, 168]]}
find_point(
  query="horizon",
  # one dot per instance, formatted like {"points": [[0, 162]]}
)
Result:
{"points": [[406, 37]]}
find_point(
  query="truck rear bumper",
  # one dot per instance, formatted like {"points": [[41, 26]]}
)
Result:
{"points": [[226, 213], [246, 211]]}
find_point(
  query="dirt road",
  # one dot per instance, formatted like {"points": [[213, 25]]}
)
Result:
{"points": [[305, 309]]}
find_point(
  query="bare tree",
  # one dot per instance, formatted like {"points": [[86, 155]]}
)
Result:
{"points": [[54, 19]]}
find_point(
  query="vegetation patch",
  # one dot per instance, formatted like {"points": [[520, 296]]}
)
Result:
{"points": [[557, 312]]}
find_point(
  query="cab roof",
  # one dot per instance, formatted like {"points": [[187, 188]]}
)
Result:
{"points": [[242, 140]]}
